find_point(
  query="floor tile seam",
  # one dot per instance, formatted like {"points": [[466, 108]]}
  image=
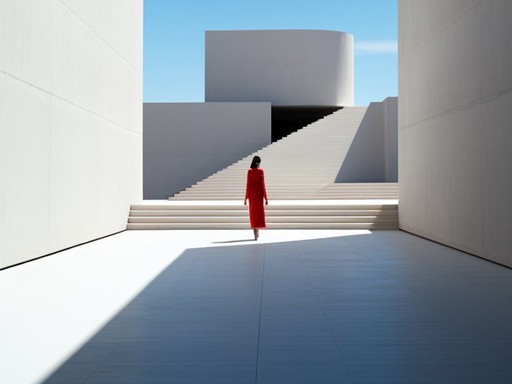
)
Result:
{"points": [[96, 367], [331, 331], [260, 314], [379, 267], [391, 276], [182, 269], [89, 374]]}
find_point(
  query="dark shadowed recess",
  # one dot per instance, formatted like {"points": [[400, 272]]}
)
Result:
{"points": [[289, 119]]}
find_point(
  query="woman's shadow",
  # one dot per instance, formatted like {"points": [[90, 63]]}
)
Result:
{"points": [[233, 241]]}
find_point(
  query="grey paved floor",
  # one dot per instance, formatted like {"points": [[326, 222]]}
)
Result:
{"points": [[382, 307]]}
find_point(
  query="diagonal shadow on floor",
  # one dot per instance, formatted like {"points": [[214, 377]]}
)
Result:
{"points": [[385, 307]]}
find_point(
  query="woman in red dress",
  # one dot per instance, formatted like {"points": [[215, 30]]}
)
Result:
{"points": [[255, 192]]}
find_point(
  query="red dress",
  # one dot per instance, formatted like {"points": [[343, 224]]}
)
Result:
{"points": [[255, 192]]}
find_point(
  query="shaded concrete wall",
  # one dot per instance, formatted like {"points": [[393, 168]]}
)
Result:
{"points": [[187, 142], [455, 113], [284, 67], [372, 156], [70, 122]]}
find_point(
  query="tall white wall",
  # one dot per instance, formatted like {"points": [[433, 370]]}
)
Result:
{"points": [[187, 142], [284, 67], [372, 155], [455, 132], [70, 122]]}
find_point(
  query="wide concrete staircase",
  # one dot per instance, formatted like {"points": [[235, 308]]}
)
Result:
{"points": [[280, 215], [300, 171], [296, 167]]}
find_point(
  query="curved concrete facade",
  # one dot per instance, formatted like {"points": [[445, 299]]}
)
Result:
{"points": [[284, 67]]}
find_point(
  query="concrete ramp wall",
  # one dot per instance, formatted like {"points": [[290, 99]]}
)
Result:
{"points": [[373, 153]]}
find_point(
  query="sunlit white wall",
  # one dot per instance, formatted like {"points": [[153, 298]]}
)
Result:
{"points": [[455, 114], [284, 67], [70, 122], [187, 142]]}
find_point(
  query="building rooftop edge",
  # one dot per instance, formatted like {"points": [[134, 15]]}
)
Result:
{"points": [[276, 30]]}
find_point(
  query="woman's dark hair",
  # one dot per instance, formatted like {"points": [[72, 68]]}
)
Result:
{"points": [[255, 160]]}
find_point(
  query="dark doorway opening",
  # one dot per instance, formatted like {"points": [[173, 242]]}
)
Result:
{"points": [[289, 119]]}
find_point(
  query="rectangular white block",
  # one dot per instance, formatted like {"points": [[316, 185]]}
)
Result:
{"points": [[187, 142]]}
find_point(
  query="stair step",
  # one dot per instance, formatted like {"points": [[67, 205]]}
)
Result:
{"points": [[269, 219], [210, 226], [268, 213], [284, 197], [234, 215], [269, 208]]}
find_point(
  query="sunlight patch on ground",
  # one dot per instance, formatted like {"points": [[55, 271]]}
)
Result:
{"points": [[52, 306]]}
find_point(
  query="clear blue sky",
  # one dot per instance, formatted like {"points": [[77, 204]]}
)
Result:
{"points": [[174, 33]]}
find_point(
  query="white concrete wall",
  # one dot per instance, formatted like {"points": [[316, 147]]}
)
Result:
{"points": [[372, 156], [70, 122], [284, 67], [390, 137], [187, 142], [455, 114]]}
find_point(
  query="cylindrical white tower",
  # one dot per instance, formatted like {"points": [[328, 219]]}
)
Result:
{"points": [[284, 67]]}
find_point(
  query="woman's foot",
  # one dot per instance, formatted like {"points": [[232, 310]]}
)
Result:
{"points": [[256, 234]]}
